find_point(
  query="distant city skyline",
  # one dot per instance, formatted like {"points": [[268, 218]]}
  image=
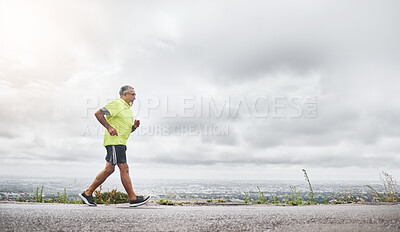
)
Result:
{"points": [[230, 90]]}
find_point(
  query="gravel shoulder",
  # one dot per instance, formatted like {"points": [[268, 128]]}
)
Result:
{"points": [[68, 217]]}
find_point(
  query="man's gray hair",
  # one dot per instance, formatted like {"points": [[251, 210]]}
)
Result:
{"points": [[124, 89]]}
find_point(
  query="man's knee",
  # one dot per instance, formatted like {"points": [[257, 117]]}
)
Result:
{"points": [[109, 170], [123, 168]]}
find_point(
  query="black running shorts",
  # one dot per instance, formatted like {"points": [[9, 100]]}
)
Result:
{"points": [[116, 154]]}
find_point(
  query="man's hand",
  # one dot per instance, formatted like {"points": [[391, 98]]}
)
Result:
{"points": [[112, 131], [136, 124], [100, 117]]}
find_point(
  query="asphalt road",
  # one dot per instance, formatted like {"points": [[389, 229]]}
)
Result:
{"points": [[68, 217]]}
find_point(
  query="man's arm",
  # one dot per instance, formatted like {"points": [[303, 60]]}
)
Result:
{"points": [[100, 117]]}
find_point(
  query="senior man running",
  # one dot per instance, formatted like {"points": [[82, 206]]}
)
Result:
{"points": [[118, 123]]}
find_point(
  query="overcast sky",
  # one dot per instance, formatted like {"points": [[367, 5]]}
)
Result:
{"points": [[225, 89]]}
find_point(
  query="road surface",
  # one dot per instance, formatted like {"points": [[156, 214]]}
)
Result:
{"points": [[69, 217]]}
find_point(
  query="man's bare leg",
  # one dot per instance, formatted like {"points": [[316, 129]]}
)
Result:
{"points": [[100, 178], [126, 180]]}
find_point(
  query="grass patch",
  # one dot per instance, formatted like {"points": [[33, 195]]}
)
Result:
{"points": [[261, 198], [294, 198], [346, 197], [38, 197], [246, 199], [165, 202], [390, 193], [311, 193], [275, 200], [110, 197], [63, 198]]}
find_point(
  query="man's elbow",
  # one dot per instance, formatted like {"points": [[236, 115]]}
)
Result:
{"points": [[99, 113]]}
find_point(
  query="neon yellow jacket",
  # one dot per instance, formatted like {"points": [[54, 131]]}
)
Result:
{"points": [[121, 118]]}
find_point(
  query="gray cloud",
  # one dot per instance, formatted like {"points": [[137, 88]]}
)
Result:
{"points": [[345, 53]]}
